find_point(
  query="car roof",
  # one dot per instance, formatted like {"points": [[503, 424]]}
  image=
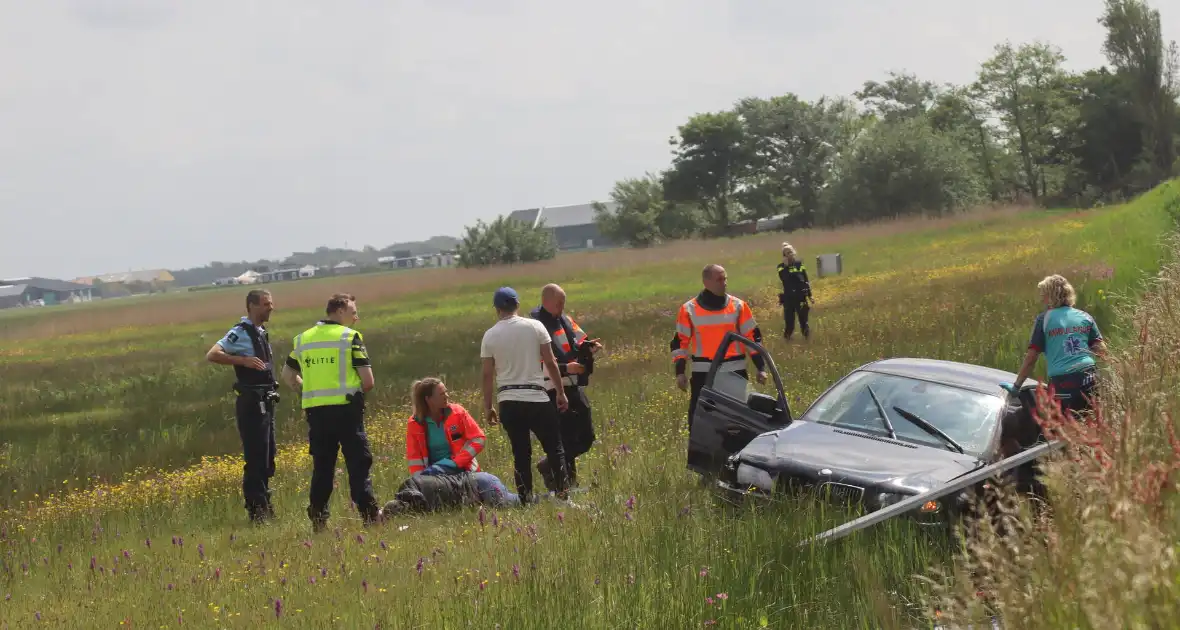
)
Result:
{"points": [[965, 375]]}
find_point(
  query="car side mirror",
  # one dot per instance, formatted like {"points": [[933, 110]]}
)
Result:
{"points": [[762, 403]]}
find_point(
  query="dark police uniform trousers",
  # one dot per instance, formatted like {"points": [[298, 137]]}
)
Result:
{"points": [[577, 434], [257, 392], [333, 429]]}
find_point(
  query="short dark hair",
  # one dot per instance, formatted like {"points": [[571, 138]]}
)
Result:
{"points": [[339, 301], [255, 297]]}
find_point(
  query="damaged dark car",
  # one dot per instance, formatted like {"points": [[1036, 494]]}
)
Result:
{"points": [[888, 431]]}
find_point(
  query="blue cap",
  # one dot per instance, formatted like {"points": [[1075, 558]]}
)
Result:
{"points": [[506, 298]]}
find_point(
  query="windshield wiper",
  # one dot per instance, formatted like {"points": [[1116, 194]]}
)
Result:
{"points": [[929, 428], [881, 409]]}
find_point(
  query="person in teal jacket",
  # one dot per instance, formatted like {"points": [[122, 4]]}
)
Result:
{"points": [[1070, 340]]}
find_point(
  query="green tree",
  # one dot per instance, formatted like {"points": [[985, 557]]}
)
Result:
{"points": [[504, 241], [1024, 87], [792, 147], [959, 114], [642, 217], [1105, 141], [899, 169], [711, 160], [901, 97], [1135, 47]]}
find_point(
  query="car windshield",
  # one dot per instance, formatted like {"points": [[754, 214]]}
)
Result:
{"points": [[965, 416]]}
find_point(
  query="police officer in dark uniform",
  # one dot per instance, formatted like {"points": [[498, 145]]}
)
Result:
{"points": [[575, 361], [796, 292], [247, 348]]}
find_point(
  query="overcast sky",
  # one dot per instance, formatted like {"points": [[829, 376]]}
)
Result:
{"points": [[147, 133]]}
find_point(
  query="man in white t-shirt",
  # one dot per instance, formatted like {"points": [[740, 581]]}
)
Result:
{"points": [[513, 353]]}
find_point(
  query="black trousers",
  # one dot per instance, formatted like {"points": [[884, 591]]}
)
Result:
{"points": [[792, 308], [256, 426], [332, 428], [519, 418], [577, 434]]}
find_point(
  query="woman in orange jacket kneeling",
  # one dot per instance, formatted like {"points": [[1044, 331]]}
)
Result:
{"points": [[443, 439]]}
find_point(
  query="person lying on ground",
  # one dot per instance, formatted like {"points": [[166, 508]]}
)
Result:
{"points": [[432, 492]]}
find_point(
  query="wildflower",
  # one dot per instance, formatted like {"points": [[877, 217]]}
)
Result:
{"points": [[421, 560], [324, 571], [631, 503], [278, 607], [93, 563], [365, 585], [495, 520], [516, 571], [703, 572], [170, 587], [481, 516], [360, 539], [561, 517], [709, 600], [217, 574], [59, 547], [628, 515], [148, 542], [311, 579], [201, 551], [723, 596], [307, 543], [126, 554], [37, 615], [383, 545]]}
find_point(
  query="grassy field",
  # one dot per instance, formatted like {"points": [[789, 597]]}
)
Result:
{"points": [[120, 482]]}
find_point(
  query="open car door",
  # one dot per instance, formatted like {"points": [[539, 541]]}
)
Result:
{"points": [[729, 412]]}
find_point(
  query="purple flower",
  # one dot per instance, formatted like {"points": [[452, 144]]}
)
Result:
{"points": [[703, 572], [631, 503], [421, 561], [360, 539], [311, 579], [201, 550], [628, 515], [283, 581], [495, 520], [174, 541], [93, 563], [561, 517], [170, 587], [482, 516], [516, 571], [383, 545], [278, 607], [37, 615], [148, 542], [217, 574], [59, 547], [324, 571], [126, 554]]}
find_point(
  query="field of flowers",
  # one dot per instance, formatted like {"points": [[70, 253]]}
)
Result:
{"points": [[121, 487]]}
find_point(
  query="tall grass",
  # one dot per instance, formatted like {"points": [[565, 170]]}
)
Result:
{"points": [[121, 481]]}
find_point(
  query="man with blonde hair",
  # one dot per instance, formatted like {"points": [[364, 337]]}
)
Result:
{"points": [[796, 292], [1070, 339]]}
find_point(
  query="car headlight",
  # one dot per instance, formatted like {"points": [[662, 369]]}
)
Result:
{"points": [[753, 477]]}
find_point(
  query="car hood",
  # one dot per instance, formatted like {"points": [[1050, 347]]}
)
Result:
{"points": [[823, 452]]}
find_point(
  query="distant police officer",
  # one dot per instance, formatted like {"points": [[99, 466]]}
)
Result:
{"points": [[330, 367], [796, 292], [575, 360], [247, 348]]}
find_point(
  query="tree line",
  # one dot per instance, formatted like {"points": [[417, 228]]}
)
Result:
{"points": [[1025, 129]]}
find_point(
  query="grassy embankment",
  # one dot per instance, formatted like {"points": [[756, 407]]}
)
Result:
{"points": [[105, 428]]}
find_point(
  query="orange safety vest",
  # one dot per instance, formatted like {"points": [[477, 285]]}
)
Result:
{"points": [[463, 435], [700, 332], [563, 342]]}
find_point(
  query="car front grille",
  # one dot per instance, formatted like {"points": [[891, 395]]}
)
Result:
{"points": [[841, 492], [830, 491]]}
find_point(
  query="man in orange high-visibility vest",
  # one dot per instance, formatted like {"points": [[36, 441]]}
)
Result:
{"points": [[701, 325]]}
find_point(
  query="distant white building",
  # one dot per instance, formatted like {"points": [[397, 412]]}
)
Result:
{"points": [[344, 267], [248, 277], [307, 271]]}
